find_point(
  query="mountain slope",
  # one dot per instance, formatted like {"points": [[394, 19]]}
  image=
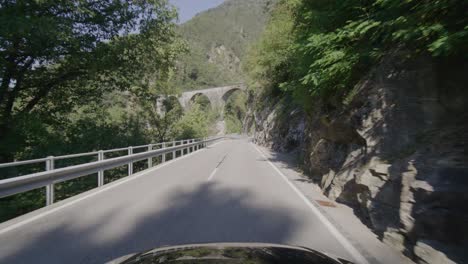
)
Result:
{"points": [[218, 39]]}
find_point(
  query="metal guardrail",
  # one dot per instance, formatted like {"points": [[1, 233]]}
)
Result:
{"points": [[51, 176]]}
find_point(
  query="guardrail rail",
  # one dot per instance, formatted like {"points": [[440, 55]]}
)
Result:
{"points": [[51, 175]]}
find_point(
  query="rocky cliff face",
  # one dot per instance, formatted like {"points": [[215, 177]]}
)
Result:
{"points": [[397, 153], [225, 58]]}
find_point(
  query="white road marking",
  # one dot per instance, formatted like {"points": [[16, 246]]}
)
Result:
{"points": [[217, 166], [212, 174], [103, 189], [343, 241]]}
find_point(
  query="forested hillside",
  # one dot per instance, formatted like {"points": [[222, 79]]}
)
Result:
{"points": [[370, 96], [217, 41]]}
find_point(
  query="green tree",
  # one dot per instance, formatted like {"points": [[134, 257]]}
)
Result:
{"points": [[235, 112], [56, 55], [269, 61], [162, 123], [194, 124]]}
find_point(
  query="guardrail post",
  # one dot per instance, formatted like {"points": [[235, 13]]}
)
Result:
{"points": [[101, 172], [150, 159], [50, 188], [174, 152], [163, 156], [130, 164]]}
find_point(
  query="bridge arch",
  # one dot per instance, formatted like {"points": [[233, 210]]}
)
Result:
{"points": [[228, 93], [165, 104], [201, 99], [217, 96]]}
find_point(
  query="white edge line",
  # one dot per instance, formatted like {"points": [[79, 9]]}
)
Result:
{"points": [[212, 174], [103, 189], [343, 241]]}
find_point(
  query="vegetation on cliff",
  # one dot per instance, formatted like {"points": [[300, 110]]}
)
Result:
{"points": [[381, 83], [320, 49]]}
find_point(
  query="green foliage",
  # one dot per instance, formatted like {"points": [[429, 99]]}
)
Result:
{"points": [[217, 41], [202, 101], [58, 56], [235, 112], [161, 126], [194, 124], [194, 71], [78, 76], [233, 125], [268, 62], [318, 50], [440, 27]]}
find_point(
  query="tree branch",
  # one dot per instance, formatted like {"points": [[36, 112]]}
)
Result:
{"points": [[46, 88], [11, 95], [7, 75]]}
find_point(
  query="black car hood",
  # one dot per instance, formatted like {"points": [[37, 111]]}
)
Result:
{"points": [[227, 253]]}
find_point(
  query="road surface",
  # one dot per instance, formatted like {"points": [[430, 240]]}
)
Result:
{"points": [[228, 192]]}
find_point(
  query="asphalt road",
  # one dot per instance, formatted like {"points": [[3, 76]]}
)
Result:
{"points": [[228, 192]]}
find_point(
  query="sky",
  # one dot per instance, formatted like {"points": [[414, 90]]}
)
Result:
{"points": [[189, 8]]}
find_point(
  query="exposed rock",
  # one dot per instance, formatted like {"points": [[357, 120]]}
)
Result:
{"points": [[278, 127], [427, 254], [327, 179], [319, 160], [394, 238], [397, 154], [220, 55]]}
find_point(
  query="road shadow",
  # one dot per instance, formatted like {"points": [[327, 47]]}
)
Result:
{"points": [[289, 160], [207, 213]]}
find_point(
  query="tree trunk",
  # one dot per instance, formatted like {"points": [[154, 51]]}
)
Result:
{"points": [[6, 154]]}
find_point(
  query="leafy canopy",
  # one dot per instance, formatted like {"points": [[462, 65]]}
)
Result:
{"points": [[320, 49], [59, 55]]}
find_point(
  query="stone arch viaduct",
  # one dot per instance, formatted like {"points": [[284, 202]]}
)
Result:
{"points": [[217, 96]]}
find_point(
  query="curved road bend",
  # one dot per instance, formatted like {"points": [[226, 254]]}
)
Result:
{"points": [[225, 193]]}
